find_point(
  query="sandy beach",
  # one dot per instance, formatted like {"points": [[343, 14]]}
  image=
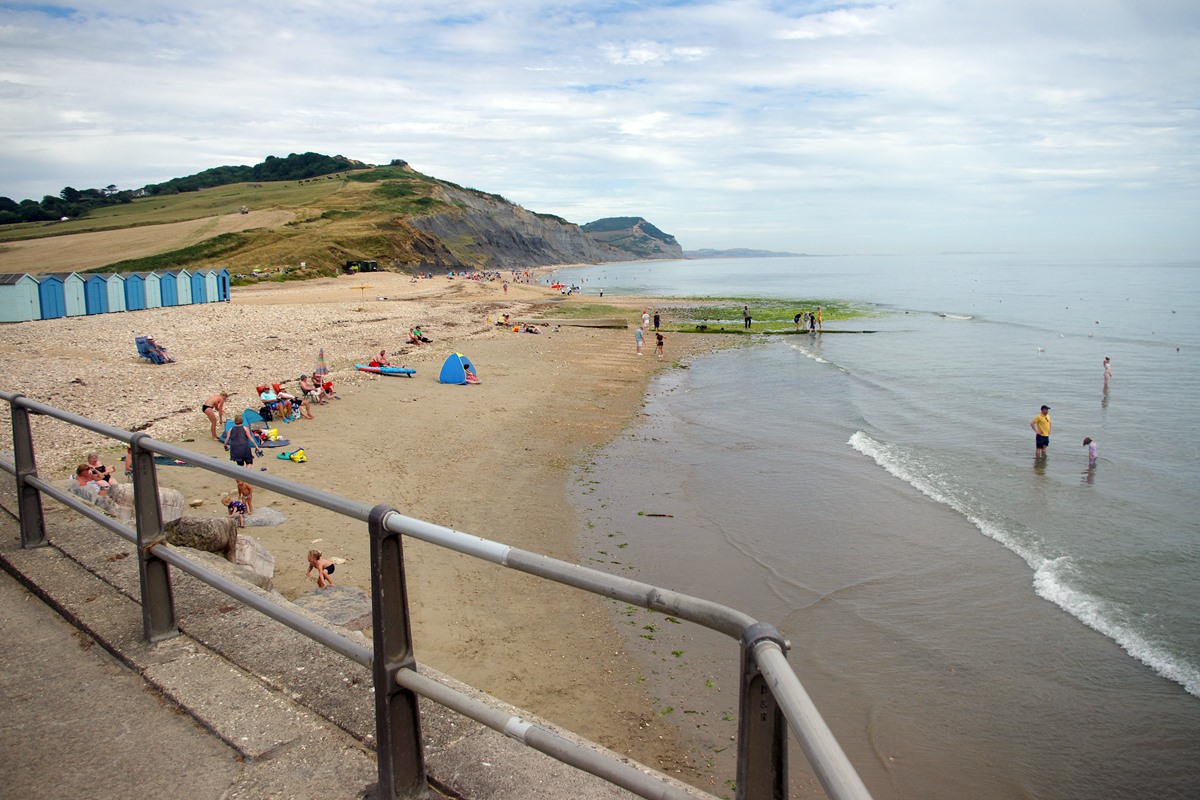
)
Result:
{"points": [[491, 460]]}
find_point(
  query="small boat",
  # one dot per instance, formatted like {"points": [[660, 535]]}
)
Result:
{"points": [[378, 370]]}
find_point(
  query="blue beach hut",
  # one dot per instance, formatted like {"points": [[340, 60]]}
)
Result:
{"points": [[135, 292], [223, 285], [198, 288], [51, 298], [19, 298], [167, 288], [212, 288], [73, 300], [183, 287], [116, 291], [153, 282], [95, 295]]}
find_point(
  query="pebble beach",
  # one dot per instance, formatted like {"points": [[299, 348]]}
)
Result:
{"points": [[491, 460]]}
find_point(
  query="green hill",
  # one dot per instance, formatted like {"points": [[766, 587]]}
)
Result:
{"points": [[391, 214]]}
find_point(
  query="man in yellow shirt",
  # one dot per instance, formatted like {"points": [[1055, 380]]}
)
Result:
{"points": [[1041, 430]]}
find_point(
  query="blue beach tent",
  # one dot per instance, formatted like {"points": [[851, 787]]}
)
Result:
{"points": [[455, 369]]}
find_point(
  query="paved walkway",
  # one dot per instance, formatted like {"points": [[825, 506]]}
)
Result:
{"points": [[79, 723]]}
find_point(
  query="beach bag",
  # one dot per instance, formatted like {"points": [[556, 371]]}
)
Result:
{"points": [[298, 456], [272, 434], [265, 413]]}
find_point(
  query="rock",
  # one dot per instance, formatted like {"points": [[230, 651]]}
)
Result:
{"points": [[210, 534], [196, 503], [347, 606], [251, 554], [119, 502]]}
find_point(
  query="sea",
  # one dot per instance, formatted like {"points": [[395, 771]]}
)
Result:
{"points": [[971, 621]]}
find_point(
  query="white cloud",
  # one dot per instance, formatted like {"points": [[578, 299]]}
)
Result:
{"points": [[918, 125]]}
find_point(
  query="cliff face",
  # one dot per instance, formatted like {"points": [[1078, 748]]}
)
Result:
{"points": [[635, 236], [486, 232]]}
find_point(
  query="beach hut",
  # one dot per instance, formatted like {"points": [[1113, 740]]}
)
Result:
{"points": [[153, 289], [19, 298], [135, 292], [95, 295], [50, 297], [199, 294], [116, 291], [212, 286], [183, 287], [454, 370], [74, 303], [168, 289], [223, 285]]}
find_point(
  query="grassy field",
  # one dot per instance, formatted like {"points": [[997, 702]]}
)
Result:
{"points": [[187, 206], [319, 222]]}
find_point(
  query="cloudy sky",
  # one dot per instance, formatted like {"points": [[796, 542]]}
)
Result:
{"points": [[911, 126]]}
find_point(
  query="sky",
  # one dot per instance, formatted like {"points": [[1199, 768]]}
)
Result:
{"points": [[910, 126]]}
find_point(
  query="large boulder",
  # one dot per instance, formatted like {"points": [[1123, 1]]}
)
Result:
{"points": [[210, 534], [347, 606], [251, 554]]}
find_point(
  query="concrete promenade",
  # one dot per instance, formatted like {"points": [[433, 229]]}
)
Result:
{"points": [[237, 706]]}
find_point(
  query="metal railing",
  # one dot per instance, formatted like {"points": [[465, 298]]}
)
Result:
{"points": [[771, 696]]}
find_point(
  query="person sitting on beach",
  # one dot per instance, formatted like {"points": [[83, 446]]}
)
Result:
{"points": [[311, 390], [471, 376], [503, 322], [382, 359], [295, 404], [89, 479], [324, 568], [237, 510], [530, 328], [214, 409], [158, 350], [246, 495], [418, 336], [106, 473]]}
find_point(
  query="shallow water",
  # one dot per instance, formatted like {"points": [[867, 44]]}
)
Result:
{"points": [[977, 623]]}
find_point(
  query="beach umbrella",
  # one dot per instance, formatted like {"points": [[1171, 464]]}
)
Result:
{"points": [[322, 369], [362, 291]]}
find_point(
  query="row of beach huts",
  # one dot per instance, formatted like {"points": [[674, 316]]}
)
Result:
{"points": [[26, 297]]}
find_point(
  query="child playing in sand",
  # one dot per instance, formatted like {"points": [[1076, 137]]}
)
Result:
{"points": [[246, 495], [1092, 451], [237, 510], [323, 566]]}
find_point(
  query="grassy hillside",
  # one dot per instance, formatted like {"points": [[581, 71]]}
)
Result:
{"points": [[352, 215]]}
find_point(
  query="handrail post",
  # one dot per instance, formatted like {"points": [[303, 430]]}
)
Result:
{"points": [[762, 729], [399, 753], [158, 601], [29, 499]]}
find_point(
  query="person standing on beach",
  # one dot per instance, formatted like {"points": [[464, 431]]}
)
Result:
{"points": [[637, 339], [214, 409], [746, 316], [645, 318], [820, 320], [1041, 430], [658, 345], [656, 320], [240, 443]]}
